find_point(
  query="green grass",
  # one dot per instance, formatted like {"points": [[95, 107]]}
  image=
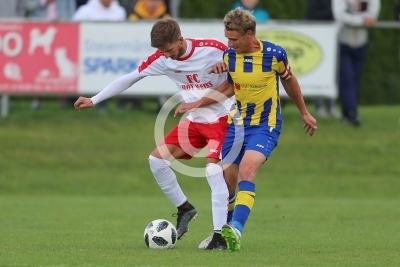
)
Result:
{"points": [[75, 190], [108, 231]]}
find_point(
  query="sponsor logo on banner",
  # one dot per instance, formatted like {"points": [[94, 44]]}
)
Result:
{"points": [[304, 53], [39, 58]]}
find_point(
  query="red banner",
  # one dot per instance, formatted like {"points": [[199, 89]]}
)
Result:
{"points": [[39, 58]]}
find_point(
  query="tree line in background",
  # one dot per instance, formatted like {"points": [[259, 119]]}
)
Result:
{"points": [[381, 76]]}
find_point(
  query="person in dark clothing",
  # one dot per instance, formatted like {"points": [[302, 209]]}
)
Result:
{"points": [[321, 10], [80, 3], [397, 12]]}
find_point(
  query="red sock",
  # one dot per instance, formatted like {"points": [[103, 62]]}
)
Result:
{"points": [[184, 206]]}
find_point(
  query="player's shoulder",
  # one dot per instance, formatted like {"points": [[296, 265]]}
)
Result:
{"points": [[269, 47], [151, 60], [229, 51], [273, 49], [208, 43]]}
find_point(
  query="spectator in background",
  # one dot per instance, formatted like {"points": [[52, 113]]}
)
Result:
{"points": [[260, 14], [355, 16], [80, 3], [13, 9], [144, 10], [173, 7], [321, 10], [100, 10], [149, 10], [397, 12], [52, 10]]}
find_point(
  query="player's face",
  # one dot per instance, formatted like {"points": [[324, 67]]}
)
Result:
{"points": [[174, 50], [240, 43], [106, 3]]}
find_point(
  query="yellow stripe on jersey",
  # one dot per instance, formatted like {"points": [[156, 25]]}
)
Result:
{"points": [[255, 78]]}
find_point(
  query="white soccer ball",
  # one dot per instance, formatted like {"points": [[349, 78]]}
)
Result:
{"points": [[160, 234]]}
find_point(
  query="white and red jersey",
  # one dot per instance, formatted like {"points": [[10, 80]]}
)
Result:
{"points": [[189, 72]]}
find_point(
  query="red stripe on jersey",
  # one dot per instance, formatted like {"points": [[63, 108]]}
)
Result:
{"points": [[286, 76], [210, 43], [150, 60], [204, 43]]}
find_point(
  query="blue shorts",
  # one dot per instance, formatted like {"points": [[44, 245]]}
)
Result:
{"points": [[239, 139]]}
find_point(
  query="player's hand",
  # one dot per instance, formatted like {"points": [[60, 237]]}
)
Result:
{"points": [[368, 21], [218, 68], [310, 124], [185, 107], [83, 102]]}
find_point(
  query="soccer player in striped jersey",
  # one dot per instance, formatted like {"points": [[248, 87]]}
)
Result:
{"points": [[254, 69], [185, 61]]}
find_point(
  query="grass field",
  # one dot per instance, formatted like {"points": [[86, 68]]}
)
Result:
{"points": [[75, 190]]}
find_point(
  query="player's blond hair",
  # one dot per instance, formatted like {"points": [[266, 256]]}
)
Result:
{"points": [[164, 31], [240, 20]]}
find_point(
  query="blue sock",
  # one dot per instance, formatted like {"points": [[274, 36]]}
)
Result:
{"points": [[244, 204]]}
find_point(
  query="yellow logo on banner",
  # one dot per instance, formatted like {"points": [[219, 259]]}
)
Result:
{"points": [[303, 52]]}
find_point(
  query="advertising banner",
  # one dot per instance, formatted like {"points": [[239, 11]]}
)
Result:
{"points": [[82, 59], [39, 58], [312, 53]]}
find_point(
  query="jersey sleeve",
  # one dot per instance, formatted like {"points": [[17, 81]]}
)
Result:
{"points": [[117, 86], [283, 66], [150, 67], [153, 65]]}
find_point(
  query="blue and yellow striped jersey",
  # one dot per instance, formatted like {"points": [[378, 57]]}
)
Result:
{"points": [[255, 77]]}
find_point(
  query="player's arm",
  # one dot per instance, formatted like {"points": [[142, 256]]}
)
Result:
{"points": [[365, 18], [292, 88], [223, 92], [150, 67], [113, 89]]}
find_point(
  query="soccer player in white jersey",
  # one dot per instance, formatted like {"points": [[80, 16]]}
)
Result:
{"points": [[185, 61]]}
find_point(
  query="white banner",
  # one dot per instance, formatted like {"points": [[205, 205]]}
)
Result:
{"points": [[111, 50]]}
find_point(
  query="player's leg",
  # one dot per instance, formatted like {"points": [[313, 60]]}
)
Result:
{"points": [[176, 145], [219, 203], [160, 160], [258, 148], [232, 153], [248, 167], [231, 173], [214, 135]]}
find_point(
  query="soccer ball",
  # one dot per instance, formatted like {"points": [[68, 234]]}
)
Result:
{"points": [[160, 234]]}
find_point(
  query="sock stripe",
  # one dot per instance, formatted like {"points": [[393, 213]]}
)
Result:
{"points": [[245, 199], [253, 194], [246, 186], [244, 203]]}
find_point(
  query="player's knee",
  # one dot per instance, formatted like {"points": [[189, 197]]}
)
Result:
{"points": [[213, 169], [246, 172], [157, 165]]}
